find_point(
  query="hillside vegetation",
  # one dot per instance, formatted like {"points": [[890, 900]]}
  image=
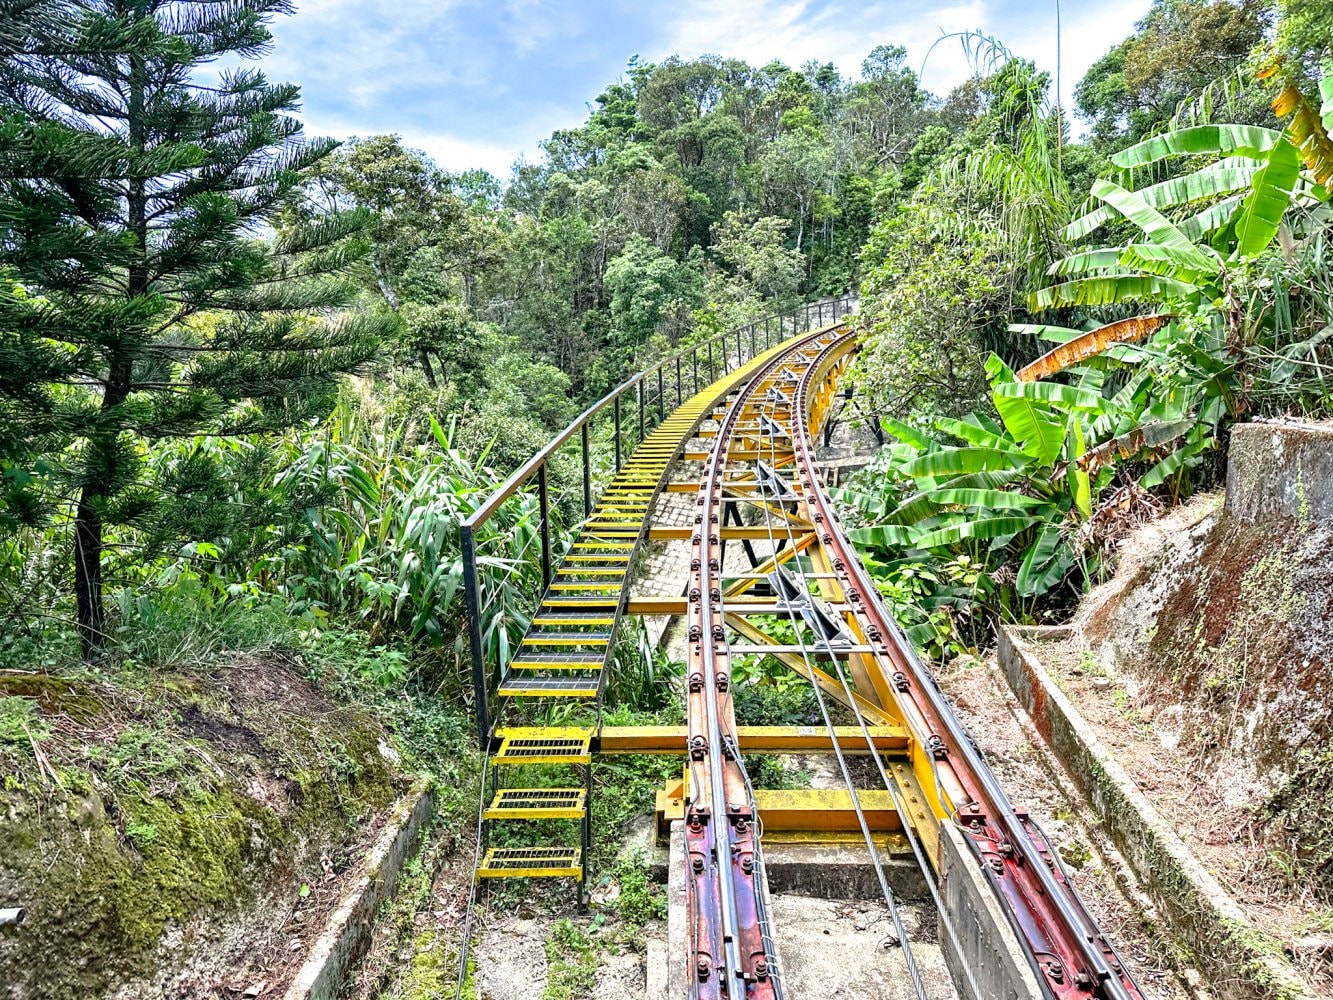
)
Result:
{"points": [[252, 381]]}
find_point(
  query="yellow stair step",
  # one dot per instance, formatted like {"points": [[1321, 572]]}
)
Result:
{"points": [[544, 745], [532, 862], [537, 803]]}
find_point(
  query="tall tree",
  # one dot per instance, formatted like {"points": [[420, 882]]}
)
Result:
{"points": [[137, 189], [1180, 47]]}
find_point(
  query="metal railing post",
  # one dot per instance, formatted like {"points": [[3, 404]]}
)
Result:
{"points": [[754, 344], [617, 406], [739, 348], [544, 506], [694, 354], [640, 388], [711, 377], [472, 598], [661, 399], [679, 397], [587, 471]]}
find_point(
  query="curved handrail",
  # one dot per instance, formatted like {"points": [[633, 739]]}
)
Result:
{"points": [[840, 306], [808, 315]]}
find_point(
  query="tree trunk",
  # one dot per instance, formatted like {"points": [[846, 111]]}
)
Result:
{"points": [[426, 367], [103, 440], [88, 576]]}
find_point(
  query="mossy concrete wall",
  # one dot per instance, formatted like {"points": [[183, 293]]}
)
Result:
{"points": [[1280, 470], [345, 939]]}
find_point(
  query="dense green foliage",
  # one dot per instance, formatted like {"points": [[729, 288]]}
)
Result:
{"points": [[1216, 227], [181, 293]]}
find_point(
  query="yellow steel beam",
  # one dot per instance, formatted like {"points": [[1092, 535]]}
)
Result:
{"points": [[748, 532], [756, 739], [807, 810], [656, 606], [873, 713]]}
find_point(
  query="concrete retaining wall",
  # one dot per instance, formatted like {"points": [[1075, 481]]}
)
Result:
{"points": [[1202, 916], [1280, 469], [983, 955], [347, 933]]}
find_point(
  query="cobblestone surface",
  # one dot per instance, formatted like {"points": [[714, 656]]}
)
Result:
{"points": [[663, 570]]}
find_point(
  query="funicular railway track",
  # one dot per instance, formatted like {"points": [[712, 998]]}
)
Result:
{"points": [[761, 484]]}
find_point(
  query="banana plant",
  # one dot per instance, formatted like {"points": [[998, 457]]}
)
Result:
{"points": [[1013, 490]]}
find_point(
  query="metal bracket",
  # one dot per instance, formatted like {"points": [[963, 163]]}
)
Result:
{"points": [[830, 632]]}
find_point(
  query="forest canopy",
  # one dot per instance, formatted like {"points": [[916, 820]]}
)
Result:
{"points": [[251, 361]]}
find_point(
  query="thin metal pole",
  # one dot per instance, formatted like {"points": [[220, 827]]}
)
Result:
{"points": [[754, 344], [472, 599], [587, 471], [617, 433], [661, 400], [768, 331], [711, 377], [694, 354], [640, 388], [739, 348], [544, 503], [679, 397]]}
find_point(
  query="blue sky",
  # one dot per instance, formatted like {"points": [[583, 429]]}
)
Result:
{"points": [[477, 83]]}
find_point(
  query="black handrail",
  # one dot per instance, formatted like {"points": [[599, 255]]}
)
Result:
{"points": [[770, 328]]}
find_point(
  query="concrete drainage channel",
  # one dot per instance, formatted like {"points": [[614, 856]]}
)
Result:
{"points": [[1203, 917], [334, 955], [801, 875]]}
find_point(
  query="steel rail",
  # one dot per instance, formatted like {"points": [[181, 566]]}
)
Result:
{"points": [[537, 466], [722, 900], [1064, 945], [799, 425], [796, 424]]}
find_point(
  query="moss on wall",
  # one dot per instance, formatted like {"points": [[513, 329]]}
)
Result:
{"points": [[148, 829]]}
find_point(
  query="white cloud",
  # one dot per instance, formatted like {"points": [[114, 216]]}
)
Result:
{"points": [[794, 31], [454, 153]]}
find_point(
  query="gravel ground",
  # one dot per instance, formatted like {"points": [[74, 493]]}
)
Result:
{"points": [[1037, 784]]}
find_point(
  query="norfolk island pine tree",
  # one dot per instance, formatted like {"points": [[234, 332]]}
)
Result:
{"points": [[150, 296]]}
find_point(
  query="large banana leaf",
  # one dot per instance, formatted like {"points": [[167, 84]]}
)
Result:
{"points": [[1165, 262], [1085, 262], [1196, 441], [905, 432], [973, 434], [987, 499], [979, 528], [1146, 437], [1045, 563], [1033, 423], [1156, 226], [884, 536], [1094, 342], [1220, 140], [1101, 291], [1061, 397], [1212, 218], [1308, 129], [1220, 178], [961, 461], [1045, 331], [1268, 201]]}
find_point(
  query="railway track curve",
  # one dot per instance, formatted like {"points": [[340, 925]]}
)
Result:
{"points": [[805, 600]]}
